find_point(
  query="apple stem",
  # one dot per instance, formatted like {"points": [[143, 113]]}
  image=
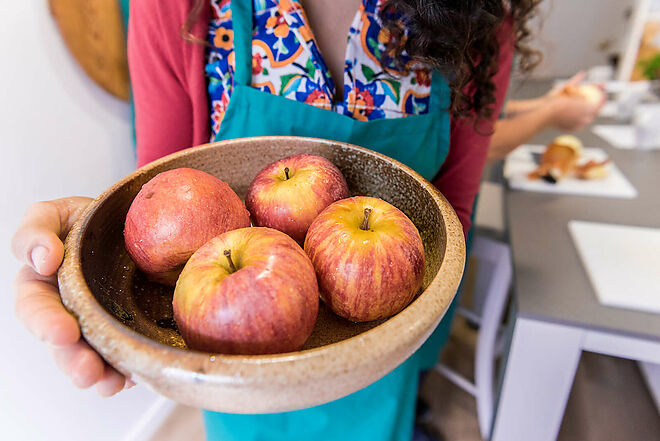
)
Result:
{"points": [[365, 222], [286, 172], [227, 254]]}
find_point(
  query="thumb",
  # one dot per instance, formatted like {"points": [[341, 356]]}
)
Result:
{"points": [[576, 79], [38, 240]]}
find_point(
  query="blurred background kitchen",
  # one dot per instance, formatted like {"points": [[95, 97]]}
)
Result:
{"points": [[578, 356]]}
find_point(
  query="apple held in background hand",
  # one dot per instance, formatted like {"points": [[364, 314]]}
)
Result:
{"points": [[247, 291], [288, 194], [173, 215], [593, 94], [368, 256]]}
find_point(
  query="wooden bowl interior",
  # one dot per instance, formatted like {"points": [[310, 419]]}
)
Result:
{"points": [[146, 307]]}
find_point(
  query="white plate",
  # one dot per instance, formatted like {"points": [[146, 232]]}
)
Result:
{"points": [[521, 162]]}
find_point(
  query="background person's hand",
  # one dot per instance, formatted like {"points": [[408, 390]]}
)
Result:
{"points": [[574, 81], [572, 113], [38, 244]]}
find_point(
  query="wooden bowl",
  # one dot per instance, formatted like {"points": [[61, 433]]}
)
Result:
{"points": [[128, 320]]}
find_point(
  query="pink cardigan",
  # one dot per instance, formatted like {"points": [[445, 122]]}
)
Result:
{"points": [[171, 104]]}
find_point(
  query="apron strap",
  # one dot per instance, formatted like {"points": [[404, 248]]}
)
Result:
{"points": [[242, 22], [440, 94]]}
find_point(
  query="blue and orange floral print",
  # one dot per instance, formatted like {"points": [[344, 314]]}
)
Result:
{"points": [[286, 61], [220, 61]]}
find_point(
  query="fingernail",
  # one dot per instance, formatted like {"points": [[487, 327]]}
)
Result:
{"points": [[129, 384], [38, 256]]}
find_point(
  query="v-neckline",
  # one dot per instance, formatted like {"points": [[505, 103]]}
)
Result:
{"points": [[330, 86]]}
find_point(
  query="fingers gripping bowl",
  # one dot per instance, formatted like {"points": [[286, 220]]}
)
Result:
{"points": [[127, 318]]}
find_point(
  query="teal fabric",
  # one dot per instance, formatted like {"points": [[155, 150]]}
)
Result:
{"points": [[124, 13], [385, 410]]}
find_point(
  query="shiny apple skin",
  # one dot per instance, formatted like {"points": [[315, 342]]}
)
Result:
{"points": [[269, 305], [366, 275], [291, 205], [173, 215]]}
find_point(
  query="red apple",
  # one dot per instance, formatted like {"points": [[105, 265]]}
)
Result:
{"points": [[288, 194], [368, 257], [173, 215], [247, 291]]}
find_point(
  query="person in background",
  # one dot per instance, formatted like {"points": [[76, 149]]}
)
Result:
{"points": [[416, 80], [524, 119]]}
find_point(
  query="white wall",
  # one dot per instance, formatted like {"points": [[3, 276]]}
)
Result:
{"points": [[60, 135], [570, 32]]}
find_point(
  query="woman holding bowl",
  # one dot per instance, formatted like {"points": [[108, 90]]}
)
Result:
{"points": [[420, 81]]}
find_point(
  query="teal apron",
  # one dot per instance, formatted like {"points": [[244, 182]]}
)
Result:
{"points": [[383, 411]]}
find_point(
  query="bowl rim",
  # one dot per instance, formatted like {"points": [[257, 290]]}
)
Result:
{"points": [[80, 301]]}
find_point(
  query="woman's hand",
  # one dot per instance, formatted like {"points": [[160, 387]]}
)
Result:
{"points": [[38, 244], [573, 81], [515, 108], [571, 113]]}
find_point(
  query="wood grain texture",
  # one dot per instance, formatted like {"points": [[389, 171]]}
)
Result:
{"points": [[94, 33]]}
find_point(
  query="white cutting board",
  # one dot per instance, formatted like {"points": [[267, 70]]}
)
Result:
{"points": [[622, 262], [521, 162], [619, 136], [609, 110]]}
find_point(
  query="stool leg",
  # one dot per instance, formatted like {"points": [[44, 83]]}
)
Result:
{"points": [[539, 373], [495, 301]]}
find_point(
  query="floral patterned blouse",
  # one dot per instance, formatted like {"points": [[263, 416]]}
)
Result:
{"points": [[286, 61]]}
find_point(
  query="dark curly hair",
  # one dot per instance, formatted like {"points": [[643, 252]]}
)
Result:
{"points": [[458, 38], [455, 37]]}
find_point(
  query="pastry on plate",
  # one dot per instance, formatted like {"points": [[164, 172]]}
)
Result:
{"points": [[562, 158], [593, 170], [559, 159]]}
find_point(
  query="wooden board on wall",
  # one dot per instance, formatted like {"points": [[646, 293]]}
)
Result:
{"points": [[94, 33]]}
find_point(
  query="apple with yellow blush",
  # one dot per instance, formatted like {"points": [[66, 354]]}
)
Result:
{"points": [[289, 193], [368, 257], [247, 291]]}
